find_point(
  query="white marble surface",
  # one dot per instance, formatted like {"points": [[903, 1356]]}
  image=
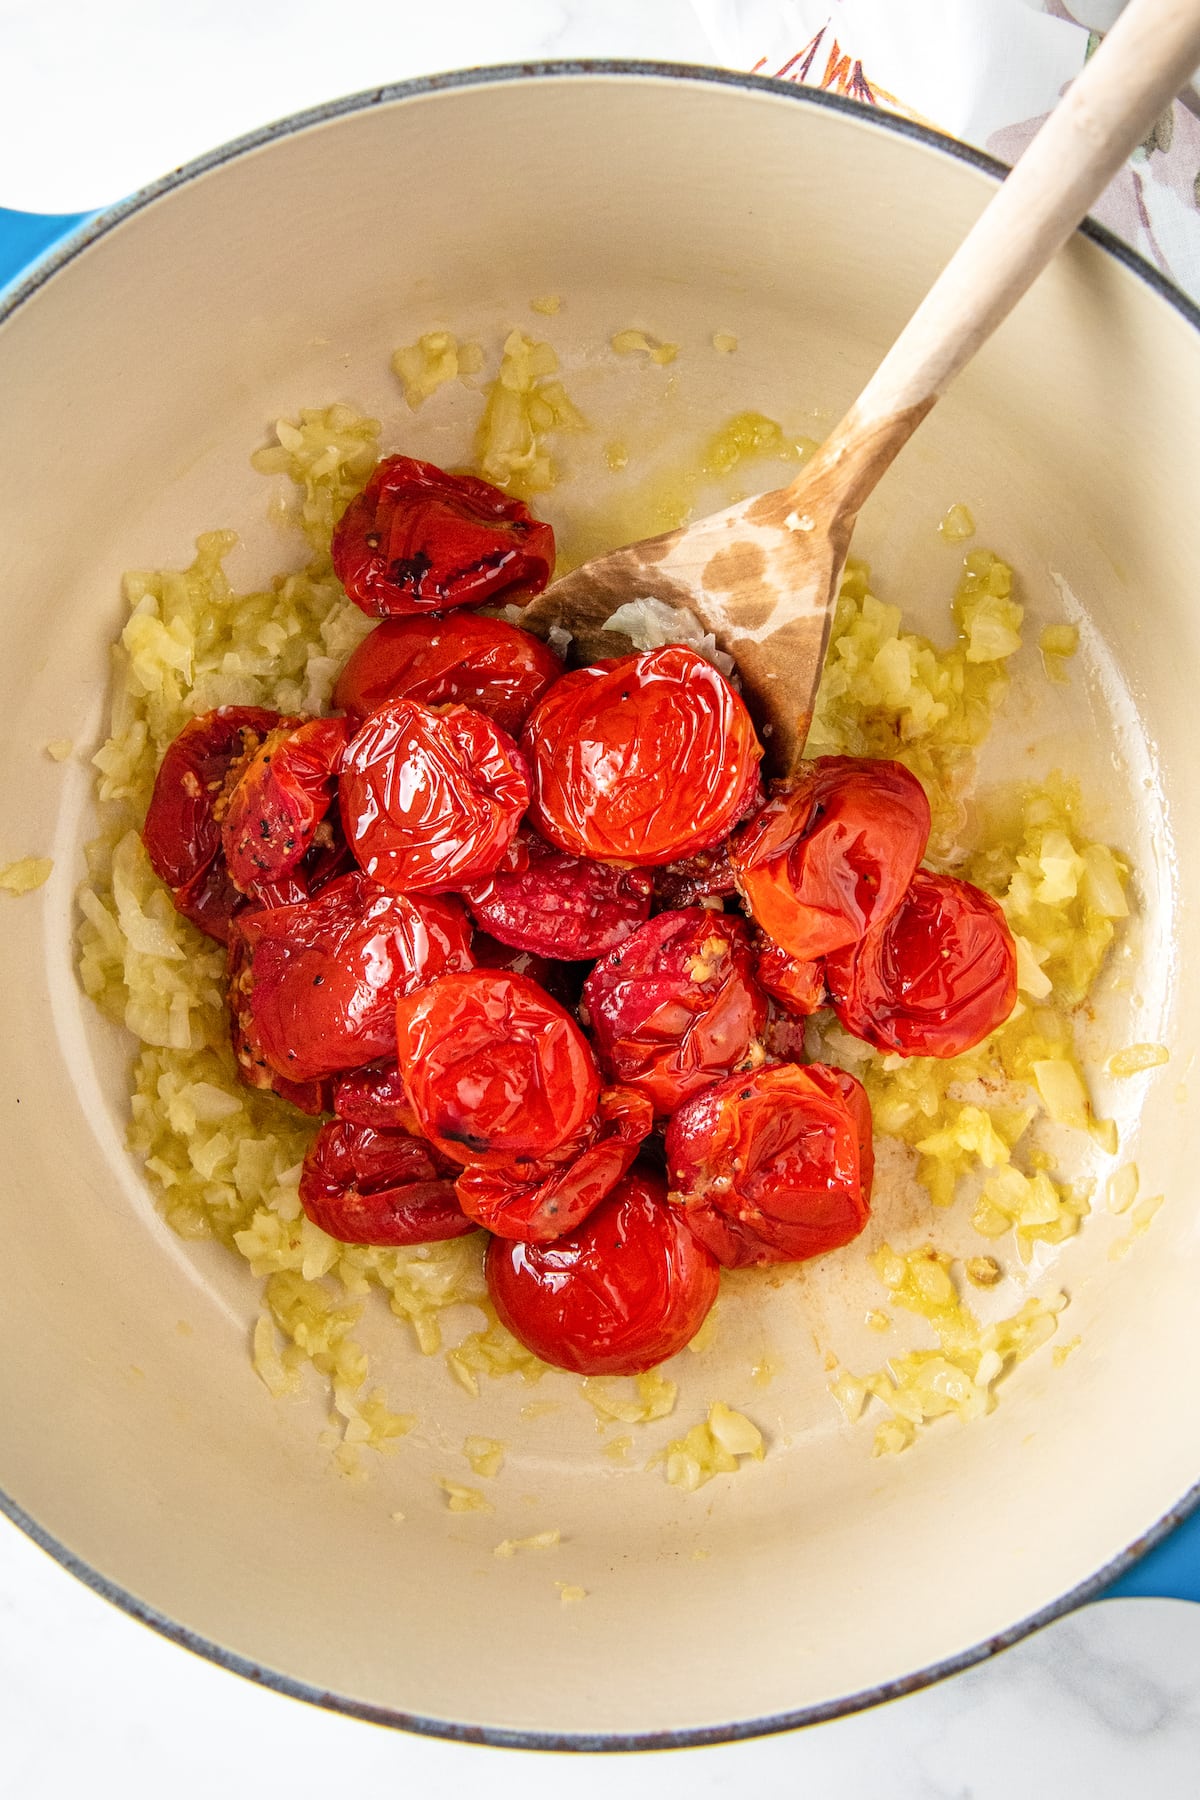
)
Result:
{"points": [[1103, 1706]]}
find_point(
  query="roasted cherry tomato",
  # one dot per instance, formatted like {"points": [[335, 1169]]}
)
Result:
{"points": [[561, 980], [538, 1211], [313, 987], [645, 759], [431, 800], [677, 1006], [935, 978], [775, 1166], [832, 853], [375, 1096], [800, 986], [706, 876], [465, 660], [497, 1072], [364, 1186], [419, 540], [271, 814], [628, 1288], [182, 834], [558, 905]]}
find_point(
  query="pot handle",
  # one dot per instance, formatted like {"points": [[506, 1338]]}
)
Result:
{"points": [[26, 237], [1168, 1571]]}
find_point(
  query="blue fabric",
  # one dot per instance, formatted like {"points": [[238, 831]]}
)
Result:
{"points": [[1172, 1569]]}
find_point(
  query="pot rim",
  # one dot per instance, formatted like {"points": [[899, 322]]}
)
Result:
{"points": [[498, 1737]]}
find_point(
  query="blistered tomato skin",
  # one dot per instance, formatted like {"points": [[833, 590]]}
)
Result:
{"points": [[374, 1096], [419, 540], [430, 800], [935, 979], [775, 1166], [832, 853], [557, 905], [536, 1211], [273, 813], [364, 1186], [313, 987], [677, 1006], [497, 1072], [798, 986], [182, 833], [643, 760], [466, 660], [627, 1289]]}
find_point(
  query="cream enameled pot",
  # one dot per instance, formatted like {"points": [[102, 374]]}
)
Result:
{"points": [[137, 370]]}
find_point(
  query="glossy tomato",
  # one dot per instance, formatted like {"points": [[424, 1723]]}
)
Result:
{"points": [[313, 987], [799, 986], [465, 660], [935, 978], [497, 1072], [677, 1006], [832, 853], [375, 1096], [645, 759], [775, 1166], [182, 834], [419, 540], [628, 1288], [364, 1186], [558, 905], [536, 1211], [561, 980], [272, 814], [431, 800]]}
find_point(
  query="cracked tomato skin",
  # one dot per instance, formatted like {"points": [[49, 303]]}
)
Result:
{"points": [[419, 540], [313, 986], [365, 1186], [273, 812], [775, 1166], [935, 978], [538, 1211], [182, 833], [798, 986], [676, 1006], [466, 660], [557, 905], [643, 759], [374, 1096], [624, 1291], [497, 1072], [430, 800], [832, 853]]}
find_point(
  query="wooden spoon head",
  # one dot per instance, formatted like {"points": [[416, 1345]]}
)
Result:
{"points": [[757, 576]]}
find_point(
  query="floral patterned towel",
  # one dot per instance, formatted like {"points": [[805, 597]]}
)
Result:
{"points": [[984, 71]]}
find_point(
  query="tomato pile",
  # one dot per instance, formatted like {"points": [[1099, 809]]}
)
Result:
{"points": [[534, 941]]}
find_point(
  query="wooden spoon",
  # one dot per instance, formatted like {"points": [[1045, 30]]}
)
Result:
{"points": [[763, 575]]}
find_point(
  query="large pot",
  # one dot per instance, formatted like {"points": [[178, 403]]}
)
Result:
{"points": [[137, 370]]}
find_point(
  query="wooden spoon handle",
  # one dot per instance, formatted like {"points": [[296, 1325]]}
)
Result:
{"points": [[1138, 69]]}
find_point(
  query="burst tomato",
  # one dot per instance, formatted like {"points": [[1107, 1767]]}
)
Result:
{"points": [[935, 978], [628, 1288], [419, 540], [832, 853], [799, 986], [645, 759], [430, 800], [775, 1166], [272, 813], [375, 1096], [182, 834], [677, 1007], [537, 1211], [497, 1072], [313, 987], [466, 660], [364, 1186], [558, 905]]}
